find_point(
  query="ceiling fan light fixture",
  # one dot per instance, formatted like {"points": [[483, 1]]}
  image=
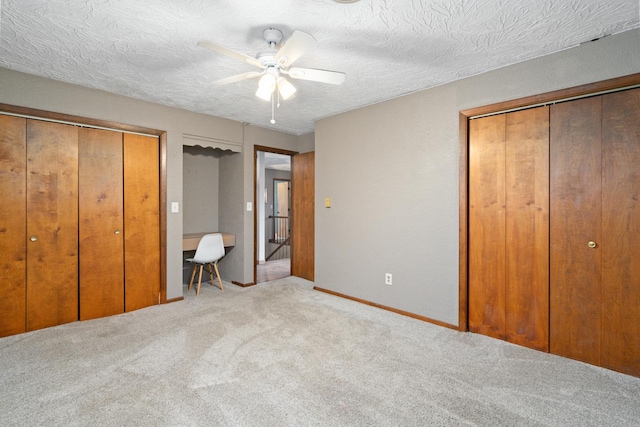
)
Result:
{"points": [[285, 88], [267, 84]]}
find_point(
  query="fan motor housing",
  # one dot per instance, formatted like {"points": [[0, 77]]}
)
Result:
{"points": [[266, 57]]}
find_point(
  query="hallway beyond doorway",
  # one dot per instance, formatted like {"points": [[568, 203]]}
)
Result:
{"points": [[272, 270]]}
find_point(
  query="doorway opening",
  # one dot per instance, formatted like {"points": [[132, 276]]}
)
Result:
{"points": [[272, 214]]}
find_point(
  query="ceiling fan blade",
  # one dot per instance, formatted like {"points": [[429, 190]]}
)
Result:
{"points": [[294, 48], [231, 53], [323, 76], [238, 78]]}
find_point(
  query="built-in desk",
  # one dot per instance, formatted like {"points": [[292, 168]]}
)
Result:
{"points": [[190, 240]]}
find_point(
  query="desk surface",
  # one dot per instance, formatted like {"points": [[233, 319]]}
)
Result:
{"points": [[190, 240]]}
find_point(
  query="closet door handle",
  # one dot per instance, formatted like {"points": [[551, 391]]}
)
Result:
{"points": [[592, 244], [33, 238], [116, 232]]}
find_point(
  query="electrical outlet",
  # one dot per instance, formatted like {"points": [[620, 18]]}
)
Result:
{"points": [[388, 278]]}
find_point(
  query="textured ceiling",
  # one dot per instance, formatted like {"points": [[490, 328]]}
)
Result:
{"points": [[147, 49]]}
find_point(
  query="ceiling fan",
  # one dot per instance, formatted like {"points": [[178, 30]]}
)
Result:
{"points": [[275, 64]]}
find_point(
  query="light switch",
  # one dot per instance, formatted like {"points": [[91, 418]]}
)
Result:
{"points": [[327, 202], [175, 207], [249, 206]]}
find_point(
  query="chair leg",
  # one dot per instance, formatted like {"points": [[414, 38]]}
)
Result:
{"points": [[210, 270], [193, 275], [215, 265], [199, 279]]}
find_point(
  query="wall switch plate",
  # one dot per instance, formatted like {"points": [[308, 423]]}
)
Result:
{"points": [[327, 202], [175, 207], [388, 277], [249, 206]]}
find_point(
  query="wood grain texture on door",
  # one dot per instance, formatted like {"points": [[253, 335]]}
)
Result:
{"points": [[13, 181], [101, 223], [527, 228], [141, 221], [52, 224], [303, 215], [487, 225], [621, 231], [575, 220]]}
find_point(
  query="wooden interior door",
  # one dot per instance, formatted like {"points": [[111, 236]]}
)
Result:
{"points": [[141, 221], [527, 228], [487, 226], [621, 231], [52, 224], [575, 220], [303, 215], [101, 223], [13, 179]]}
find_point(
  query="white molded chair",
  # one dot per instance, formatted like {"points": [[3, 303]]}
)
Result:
{"points": [[210, 249]]}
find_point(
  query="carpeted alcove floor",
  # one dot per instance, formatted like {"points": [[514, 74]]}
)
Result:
{"points": [[282, 354]]}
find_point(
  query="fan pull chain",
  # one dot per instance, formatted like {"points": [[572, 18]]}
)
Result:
{"points": [[273, 109]]}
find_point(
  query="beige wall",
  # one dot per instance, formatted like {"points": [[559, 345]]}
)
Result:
{"points": [[391, 170], [306, 143], [200, 184], [231, 214]]}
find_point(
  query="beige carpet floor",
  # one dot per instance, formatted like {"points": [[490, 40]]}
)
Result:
{"points": [[282, 354]]}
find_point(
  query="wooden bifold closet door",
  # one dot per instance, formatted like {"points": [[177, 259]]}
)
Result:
{"points": [[39, 229], [508, 226], [621, 232], [119, 222], [141, 221], [595, 230], [80, 223], [576, 207], [554, 229], [101, 223], [13, 225], [52, 224]]}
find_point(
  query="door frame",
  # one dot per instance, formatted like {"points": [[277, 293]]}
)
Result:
{"points": [[591, 89], [104, 124], [265, 149]]}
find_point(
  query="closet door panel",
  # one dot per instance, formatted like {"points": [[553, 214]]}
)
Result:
{"points": [[52, 224], [142, 221], [101, 223], [13, 178], [621, 232], [487, 226], [527, 228], [575, 220]]}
